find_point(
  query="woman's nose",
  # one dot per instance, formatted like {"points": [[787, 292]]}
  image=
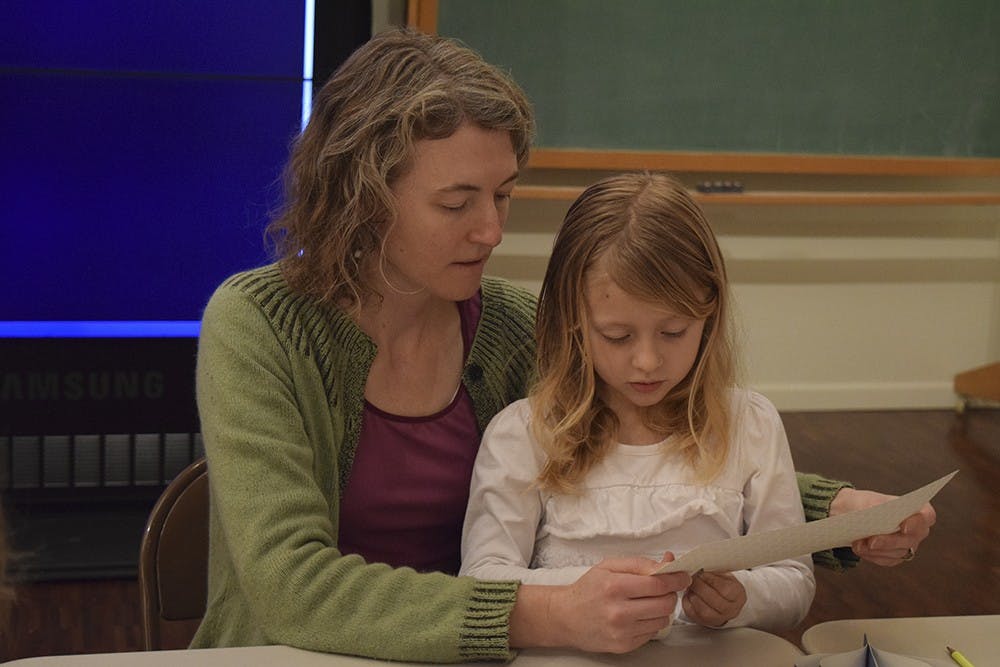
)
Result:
{"points": [[489, 226]]}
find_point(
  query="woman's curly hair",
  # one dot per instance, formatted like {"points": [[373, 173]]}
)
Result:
{"points": [[399, 88]]}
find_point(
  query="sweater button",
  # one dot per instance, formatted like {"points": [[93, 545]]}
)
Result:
{"points": [[475, 373]]}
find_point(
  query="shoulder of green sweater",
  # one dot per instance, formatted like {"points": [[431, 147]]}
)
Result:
{"points": [[501, 291], [262, 284], [296, 317], [263, 289], [508, 312], [507, 320]]}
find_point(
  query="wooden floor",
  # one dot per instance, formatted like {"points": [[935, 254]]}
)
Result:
{"points": [[956, 572]]}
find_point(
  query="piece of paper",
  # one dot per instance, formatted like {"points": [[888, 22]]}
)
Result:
{"points": [[884, 658], [746, 551], [866, 656]]}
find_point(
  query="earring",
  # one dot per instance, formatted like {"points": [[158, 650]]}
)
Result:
{"points": [[385, 278]]}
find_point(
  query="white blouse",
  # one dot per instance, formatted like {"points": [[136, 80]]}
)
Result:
{"points": [[639, 500]]}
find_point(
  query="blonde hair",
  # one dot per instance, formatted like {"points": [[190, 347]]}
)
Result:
{"points": [[400, 87], [655, 244]]}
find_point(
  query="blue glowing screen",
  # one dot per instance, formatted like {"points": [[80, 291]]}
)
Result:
{"points": [[141, 147]]}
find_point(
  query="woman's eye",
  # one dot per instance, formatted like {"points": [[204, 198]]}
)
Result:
{"points": [[503, 196], [617, 340], [454, 207]]}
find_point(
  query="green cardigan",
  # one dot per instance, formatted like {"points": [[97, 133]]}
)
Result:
{"points": [[280, 385]]}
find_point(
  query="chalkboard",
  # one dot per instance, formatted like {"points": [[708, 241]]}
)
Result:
{"points": [[839, 77]]}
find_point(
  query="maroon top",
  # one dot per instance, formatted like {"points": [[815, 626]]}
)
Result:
{"points": [[405, 500]]}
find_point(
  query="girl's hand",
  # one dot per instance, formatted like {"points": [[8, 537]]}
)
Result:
{"points": [[714, 598], [615, 607]]}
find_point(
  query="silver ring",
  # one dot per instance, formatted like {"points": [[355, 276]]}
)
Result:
{"points": [[910, 554]]}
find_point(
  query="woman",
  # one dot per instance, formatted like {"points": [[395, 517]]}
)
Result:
{"points": [[343, 391]]}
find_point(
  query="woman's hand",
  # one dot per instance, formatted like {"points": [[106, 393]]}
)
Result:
{"points": [[615, 607], [714, 598], [891, 549]]}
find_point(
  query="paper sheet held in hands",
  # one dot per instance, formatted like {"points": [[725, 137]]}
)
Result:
{"points": [[746, 551]]}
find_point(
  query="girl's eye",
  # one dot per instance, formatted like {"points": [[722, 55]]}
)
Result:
{"points": [[615, 340], [454, 207], [675, 334]]}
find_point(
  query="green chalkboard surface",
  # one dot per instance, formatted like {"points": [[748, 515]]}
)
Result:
{"points": [[841, 77]]}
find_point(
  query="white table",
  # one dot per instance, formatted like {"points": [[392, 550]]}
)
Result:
{"points": [[687, 645], [977, 637]]}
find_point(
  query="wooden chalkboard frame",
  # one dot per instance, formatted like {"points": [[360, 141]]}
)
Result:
{"points": [[423, 15], [568, 193]]}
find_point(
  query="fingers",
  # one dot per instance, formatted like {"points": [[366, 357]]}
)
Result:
{"points": [[676, 581], [714, 598], [700, 612], [612, 611], [884, 557], [667, 583], [852, 500], [901, 546], [650, 630], [673, 582], [912, 531], [659, 592], [918, 526], [628, 565], [892, 550]]}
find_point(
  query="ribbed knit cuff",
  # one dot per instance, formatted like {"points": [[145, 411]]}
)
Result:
{"points": [[485, 633], [817, 493]]}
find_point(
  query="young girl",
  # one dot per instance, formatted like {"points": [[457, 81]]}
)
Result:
{"points": [[634, 439]]}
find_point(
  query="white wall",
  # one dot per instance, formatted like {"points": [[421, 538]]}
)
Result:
{"points": [[841, 307]]}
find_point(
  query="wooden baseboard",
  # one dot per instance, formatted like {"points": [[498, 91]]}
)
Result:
{"points": [[860, 395]]}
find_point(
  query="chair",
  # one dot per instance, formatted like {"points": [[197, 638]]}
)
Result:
{"points": [[173, 555]]}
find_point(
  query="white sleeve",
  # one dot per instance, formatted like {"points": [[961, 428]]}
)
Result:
{"points": [[778, 594], [506, 505]]}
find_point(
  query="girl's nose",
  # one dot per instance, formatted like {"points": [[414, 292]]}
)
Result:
{"points": [[647, 357]]}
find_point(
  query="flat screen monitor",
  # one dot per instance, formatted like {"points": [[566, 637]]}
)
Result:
{"points": [[142, 149]]}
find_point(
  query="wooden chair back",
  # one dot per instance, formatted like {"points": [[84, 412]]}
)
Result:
{"points": [[173, 555]]}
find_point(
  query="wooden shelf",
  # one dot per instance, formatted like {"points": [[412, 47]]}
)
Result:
{"points": [[793, 197], [981, 383], [761, 163]]}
